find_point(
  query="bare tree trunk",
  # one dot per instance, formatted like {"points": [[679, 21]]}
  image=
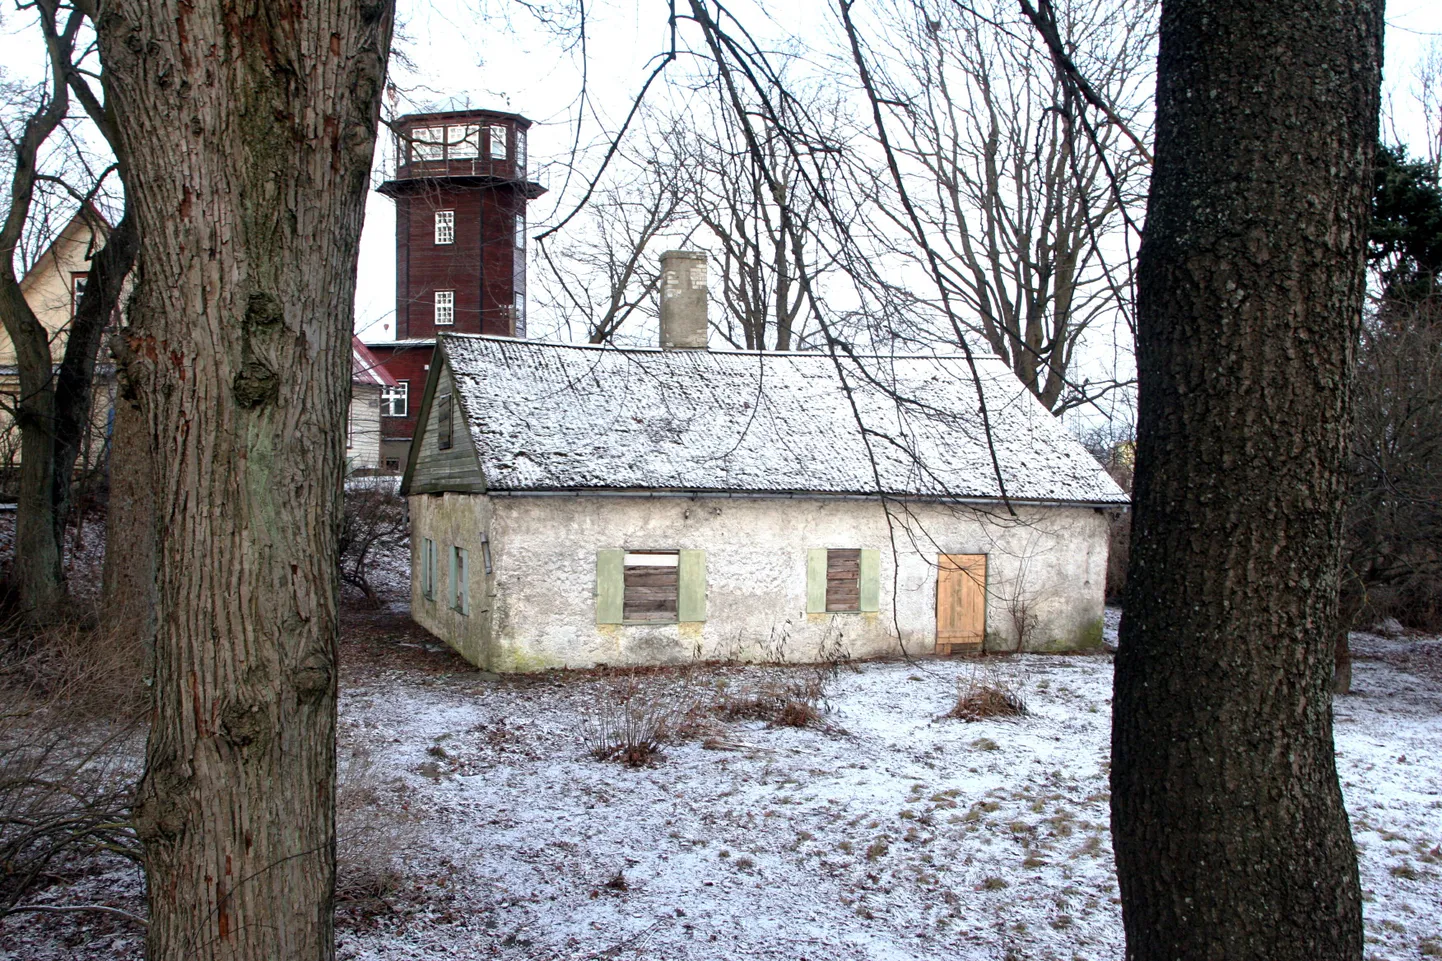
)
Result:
{"points": [[1231, 836], [249, 132]]}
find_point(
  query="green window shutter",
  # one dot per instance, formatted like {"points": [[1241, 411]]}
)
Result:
{"points": [[610, 586], [870, 580], [691, 587], [816, 580]]}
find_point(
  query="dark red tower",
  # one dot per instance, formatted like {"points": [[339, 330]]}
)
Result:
{"points": [[460, 188]]}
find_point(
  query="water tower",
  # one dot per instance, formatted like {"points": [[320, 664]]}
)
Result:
{"points": [[460, 186]]}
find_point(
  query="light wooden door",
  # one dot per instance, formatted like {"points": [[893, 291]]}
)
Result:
{"points": [[960, 602]]}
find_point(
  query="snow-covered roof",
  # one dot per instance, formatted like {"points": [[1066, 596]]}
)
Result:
{"points": [[569, 417], [365, 368]]}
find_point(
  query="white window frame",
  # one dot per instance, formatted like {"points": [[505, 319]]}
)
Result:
{"points": [[501, 129], [520, 149], [518, 310], [445, 226], [463, 142], [460, 580], [445, 308], [520, 238], [396, 401], [78, 280], [428, 144]]}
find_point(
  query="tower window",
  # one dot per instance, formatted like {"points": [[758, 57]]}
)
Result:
{"points": [[463, 142], [519, 314], [521, 149], [445, 226], [498, 142], [445, 307], [520, 232], [428, 143]]}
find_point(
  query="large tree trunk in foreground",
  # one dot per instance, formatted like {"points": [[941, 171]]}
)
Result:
{"points": [[249, 130], [127, 599], [1231, 838]]}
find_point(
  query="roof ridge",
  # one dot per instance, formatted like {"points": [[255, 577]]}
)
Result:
{"points": [[702, 352]]}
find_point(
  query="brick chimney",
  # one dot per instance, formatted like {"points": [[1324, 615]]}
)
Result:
{"points": [[683, 300]]}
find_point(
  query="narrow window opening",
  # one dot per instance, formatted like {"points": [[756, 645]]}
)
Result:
{"points": [[445, 422], [486, 553], [460, 580]]}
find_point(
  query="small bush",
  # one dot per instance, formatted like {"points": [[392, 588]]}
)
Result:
{"points": [[987, 694], [373, 836], [629, 723], [69, 739]]}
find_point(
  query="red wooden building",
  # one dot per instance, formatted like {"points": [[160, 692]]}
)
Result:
{"points": [[460, 187]]}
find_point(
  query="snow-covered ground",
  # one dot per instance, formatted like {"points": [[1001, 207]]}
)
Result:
{"points": [[888, 832]]}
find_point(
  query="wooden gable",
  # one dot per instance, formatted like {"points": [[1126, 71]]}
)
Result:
{"points": [[431, 467]]}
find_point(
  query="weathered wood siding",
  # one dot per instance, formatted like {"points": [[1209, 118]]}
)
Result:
{"points": [[434, 470], [363, 428]]}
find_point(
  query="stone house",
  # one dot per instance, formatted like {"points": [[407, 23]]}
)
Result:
{"points": [[582, 505]]}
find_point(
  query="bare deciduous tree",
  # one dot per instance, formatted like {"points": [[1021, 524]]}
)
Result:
{"points": [[1024, 211], [249, 133], [53, 407]]}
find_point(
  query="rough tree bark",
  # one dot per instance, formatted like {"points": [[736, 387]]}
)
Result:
{"points": [[128, 579], [1230, 833], [249, 130]]}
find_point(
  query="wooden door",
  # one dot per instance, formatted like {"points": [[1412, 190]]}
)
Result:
{"points": [[960, 603]]}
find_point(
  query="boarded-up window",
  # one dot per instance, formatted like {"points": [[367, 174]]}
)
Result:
{"points": [[445, 421], [843, 580], [652, 581]]}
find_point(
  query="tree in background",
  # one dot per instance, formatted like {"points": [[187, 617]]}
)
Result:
{"points": [[1393, 549], [1012, 196], [1227, 818], [53, 409], [249, 133]]}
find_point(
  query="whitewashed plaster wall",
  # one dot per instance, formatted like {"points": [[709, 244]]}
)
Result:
{"points": [[537, 609]]}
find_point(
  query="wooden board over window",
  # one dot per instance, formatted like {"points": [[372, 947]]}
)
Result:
{"points": [[652, 586], [960, 603], [843, 580]]}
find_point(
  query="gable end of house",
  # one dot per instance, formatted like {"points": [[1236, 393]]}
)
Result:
{"points": [[443, 456]]}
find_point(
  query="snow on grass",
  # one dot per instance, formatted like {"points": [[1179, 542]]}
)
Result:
{"points": [[887, 833]]}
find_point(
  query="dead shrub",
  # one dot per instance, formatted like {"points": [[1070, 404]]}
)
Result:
{"points": [[373, 836], [987, 693], [70, 748], [630, 721], [794, 702], [374, 523]]}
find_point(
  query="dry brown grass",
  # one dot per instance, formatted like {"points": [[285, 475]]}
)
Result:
{"points": [[793, 702], [373, 834], [988, 693]]}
